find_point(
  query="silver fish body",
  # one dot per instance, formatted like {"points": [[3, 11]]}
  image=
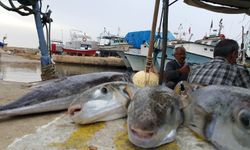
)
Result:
{"points": [[220, 114], [153, 117], [57, 94], [107, 101]]}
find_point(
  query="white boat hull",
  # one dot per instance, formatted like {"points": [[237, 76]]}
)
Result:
{"points": [[137, 62], [198, 49]]}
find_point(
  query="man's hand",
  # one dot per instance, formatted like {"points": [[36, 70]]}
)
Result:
{"points": [[184, 69]]}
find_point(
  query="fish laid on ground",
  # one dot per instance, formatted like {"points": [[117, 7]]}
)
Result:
{"points": [[220, 114], [153, 117], [57, 94], [104, 102]]}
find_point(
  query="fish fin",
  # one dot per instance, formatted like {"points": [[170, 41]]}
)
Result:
{"points": [[40, 84], [198, 120], [130, 91], [210, 122]]}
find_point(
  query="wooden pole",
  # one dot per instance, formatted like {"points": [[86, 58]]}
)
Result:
{"points": [[152, 36], [147, 77]]}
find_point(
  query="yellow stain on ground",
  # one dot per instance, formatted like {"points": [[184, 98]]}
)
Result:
{"points": [[122, 143], [78, 139], [198, 137]]}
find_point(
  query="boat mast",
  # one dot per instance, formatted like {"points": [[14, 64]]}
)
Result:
{"points": [[242, 46], [220, 27], [165, 10]]}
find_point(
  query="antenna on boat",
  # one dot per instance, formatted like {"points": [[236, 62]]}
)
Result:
{"points": [[62, 34], [119, 31], [220, 26], [242, 46], [105, 31], [189, 39], [211, 26]]}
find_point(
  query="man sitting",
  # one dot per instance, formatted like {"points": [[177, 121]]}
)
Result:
{"points": [[223, 69], [176, 70]]}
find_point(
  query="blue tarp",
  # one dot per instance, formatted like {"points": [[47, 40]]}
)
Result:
{"points": [[139, 37]]}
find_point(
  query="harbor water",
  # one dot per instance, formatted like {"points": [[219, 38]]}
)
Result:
{"points": [[30, 71]]}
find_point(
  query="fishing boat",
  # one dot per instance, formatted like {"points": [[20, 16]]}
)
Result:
{"points": [[135, 58], [110, 44], [201, 51], [197, 52], [56, 47], [3, 44], [80, 44]]}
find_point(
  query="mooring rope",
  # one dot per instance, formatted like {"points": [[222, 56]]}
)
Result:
{"points": [[48, 72]]}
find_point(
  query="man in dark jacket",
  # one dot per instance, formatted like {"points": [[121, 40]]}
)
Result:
{"points": [[176, 70]]}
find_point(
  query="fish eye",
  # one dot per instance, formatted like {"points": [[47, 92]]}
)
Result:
{"points": [[104, 90], [244, 119]]}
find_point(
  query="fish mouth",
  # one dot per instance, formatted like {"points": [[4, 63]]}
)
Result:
{"points": [[72, 110], [96, 111], [142, 134]]}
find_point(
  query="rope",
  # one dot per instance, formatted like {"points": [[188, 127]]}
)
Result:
{"points": [[18, 9], [149, 63], [152, 35], [48, 72], [147, 72]]}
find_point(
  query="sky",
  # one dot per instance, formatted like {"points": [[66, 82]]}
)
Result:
{"points": [[92, 16]]}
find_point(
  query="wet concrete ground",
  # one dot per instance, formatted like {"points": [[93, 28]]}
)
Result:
{"points": [[12, 128]]}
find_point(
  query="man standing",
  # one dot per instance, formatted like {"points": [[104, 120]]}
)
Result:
{"points": [[222, 70], [176, 70]]}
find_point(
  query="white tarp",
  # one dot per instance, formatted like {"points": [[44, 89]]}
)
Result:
{"points": [[222, 6]]}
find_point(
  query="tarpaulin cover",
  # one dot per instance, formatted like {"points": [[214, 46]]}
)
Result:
{"points": [[139, 37], [222, 6]]}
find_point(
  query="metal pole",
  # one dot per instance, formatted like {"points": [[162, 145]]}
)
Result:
{"points": [[164, 41], [45, 59], [47, 68]]}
